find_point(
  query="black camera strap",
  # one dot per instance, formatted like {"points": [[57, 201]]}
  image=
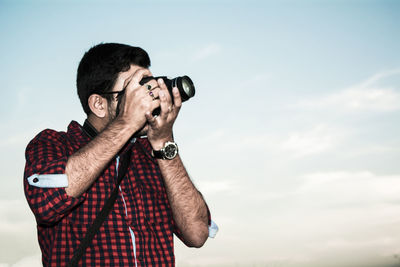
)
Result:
{"points": [[102, 215]]}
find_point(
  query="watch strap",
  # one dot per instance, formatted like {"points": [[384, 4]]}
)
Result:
{"points": [[158, 154]]}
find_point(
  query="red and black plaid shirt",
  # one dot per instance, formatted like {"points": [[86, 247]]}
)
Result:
{"points": [[140, 222]]}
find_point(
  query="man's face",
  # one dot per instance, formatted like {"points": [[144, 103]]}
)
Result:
{"points": [[113, 104]]}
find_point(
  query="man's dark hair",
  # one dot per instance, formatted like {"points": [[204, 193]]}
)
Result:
{"points": [[99, 68]]}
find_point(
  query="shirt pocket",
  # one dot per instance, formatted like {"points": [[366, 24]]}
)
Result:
{"points": [[156, 207]]}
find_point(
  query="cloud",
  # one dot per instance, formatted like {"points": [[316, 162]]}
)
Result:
{"points": [[348, 187], [350, 214], [314, 141], [215, 187], [360, 99], [379, 76], [342, 243], [344, 203], [317, 139], [368, 95], [17, 218], [339, 202], [207, 51], [18, 139], [30, 261], [23, 97], [18, 234]]}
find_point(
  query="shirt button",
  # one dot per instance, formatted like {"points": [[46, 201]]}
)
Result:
{"points": [[35, 180]]}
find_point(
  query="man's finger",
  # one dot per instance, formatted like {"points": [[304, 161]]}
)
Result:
{"points": [[150, 119], [139, 74], [122, 81], [177, 99], [151, 85], [165, 99]]}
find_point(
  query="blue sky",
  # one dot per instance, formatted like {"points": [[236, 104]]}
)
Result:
{"points": [[293, 135]]}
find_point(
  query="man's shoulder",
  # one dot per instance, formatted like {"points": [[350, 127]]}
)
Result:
{"points": [[54, 136]]}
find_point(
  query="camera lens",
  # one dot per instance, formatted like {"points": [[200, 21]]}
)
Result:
{"points": [[185, 86]]}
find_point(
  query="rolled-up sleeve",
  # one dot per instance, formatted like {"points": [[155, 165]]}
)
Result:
{"points": [[45, 180], [212, 226]]}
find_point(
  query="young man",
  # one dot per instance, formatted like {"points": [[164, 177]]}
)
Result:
{"points": [[70, 175]]}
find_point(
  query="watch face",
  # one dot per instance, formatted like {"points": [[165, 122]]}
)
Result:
{"points": [[170, 151]]}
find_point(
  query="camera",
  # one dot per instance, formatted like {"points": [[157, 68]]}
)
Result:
{"points": [[183, 83]]}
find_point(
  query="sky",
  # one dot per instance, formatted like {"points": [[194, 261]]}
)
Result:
{"points": [[293, 136]]}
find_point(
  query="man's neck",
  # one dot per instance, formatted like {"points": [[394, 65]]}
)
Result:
{"points": [[98, 123]]}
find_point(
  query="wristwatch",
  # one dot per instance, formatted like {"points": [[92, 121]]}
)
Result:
{"points": [[169, 151]]}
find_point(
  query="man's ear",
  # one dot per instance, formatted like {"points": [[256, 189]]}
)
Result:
{"points": [[98, 105]]}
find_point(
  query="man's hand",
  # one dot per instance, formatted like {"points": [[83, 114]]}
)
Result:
{"points": [[138, 99], [160, 127]]}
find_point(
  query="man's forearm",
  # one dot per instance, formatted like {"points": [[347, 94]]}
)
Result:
{"points": [[188, 206], [85, 165]]}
